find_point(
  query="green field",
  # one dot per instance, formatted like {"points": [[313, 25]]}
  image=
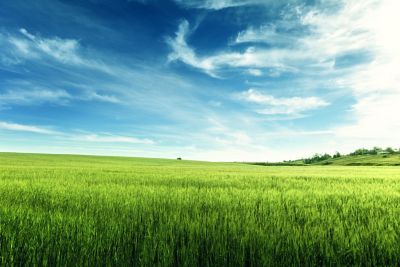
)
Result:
{"points": [[105, 211]]}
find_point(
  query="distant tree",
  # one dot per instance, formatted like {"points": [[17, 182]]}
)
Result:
{"points": [[317, 158], [375, 150], [337, 155], [326, 156], [179, 158], [390, 150], [360, 151]]}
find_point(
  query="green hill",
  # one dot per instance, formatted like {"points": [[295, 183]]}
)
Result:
{"points": [[347, 160], [363, 160]]}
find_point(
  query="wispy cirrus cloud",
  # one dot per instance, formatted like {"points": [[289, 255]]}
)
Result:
{"points": [[34, 96], [122, 83], [101, 97], [112, 139], [269, 33], [270, 105], [72, 136], [25, 128], [217, 4], [32, 46], [251, 58], [38, 96], [304, 38], [28, 46], [183, 52], [254, 72], [220, 4]]}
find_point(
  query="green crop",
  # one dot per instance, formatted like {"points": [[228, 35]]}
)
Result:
{"points": [[58, 210]]}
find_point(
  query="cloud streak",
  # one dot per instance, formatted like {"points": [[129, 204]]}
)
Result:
{"points": [[25, 128], [35, 96], [39, 96], [181, 50], [282, 106], [112, 139], [251, 58], [28, 46], [220, 4], [304, 38], [92, 138]]}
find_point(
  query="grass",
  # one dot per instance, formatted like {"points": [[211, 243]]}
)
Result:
{"points": [[58, 210]]}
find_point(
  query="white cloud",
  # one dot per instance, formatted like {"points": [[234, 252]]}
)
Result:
{"points": [[252, 57], [181, 50], [95, 138], [254, 72], [63, 50], [27, 46], [23, 47], [265, 34], [220, 4], [376, 121], [27, 34], [25, 128], [34, 96], [112, 139], [375, 85], [102, 98], [326, 33], [217, 4], [286, 106], [329, 35], [18, 95]]}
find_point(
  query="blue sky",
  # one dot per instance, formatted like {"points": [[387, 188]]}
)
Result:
{"points": [[211, 80]]}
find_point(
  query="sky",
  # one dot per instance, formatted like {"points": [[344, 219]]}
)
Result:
{"points": [[222, 80]]}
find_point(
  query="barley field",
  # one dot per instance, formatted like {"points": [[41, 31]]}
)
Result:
{"points": [[59, 210]]}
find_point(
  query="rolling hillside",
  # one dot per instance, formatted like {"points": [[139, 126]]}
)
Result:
{"points": [[363, 160], [348, 160]]}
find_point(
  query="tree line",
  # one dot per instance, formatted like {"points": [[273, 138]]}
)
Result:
{"points": [[361, 151]]}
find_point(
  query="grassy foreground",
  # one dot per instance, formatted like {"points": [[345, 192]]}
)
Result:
{"points": [[103, 211]]}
